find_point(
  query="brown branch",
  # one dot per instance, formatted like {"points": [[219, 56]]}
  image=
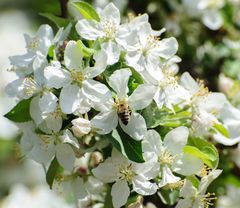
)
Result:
{"points": [[64, 12]]}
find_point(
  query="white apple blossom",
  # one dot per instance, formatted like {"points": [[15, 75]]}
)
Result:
{"points": [[196, 197], [205, 105], [112, 34], [168, 155], [229, 117], [108, 118], [167, 90], [208, 10], [78, 87], [43, 147], [231, 199], [149, 49], [76, 90], [122, 172]]}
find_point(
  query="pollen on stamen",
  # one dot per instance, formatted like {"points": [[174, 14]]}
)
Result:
{"points": [[126, 173], [109, 28], [176, 185], [77, 76], [208, 199], [33, 44], [166, 157], [29, 86]]}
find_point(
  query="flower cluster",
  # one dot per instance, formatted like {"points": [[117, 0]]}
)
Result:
{"points": [[208, 10], [106, 114]]}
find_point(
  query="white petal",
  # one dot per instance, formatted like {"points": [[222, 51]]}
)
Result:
{"points": [[43, 150], [188, 190], [136, 127], [73, 56], [144, 187], [35, 111], [120, 193], [27, 142], [226, 141], [152, 144], [45, 37], [100, 65], [159, 98], [79, 189], [189, 83], [167, 176], [176, 139], [70, 98], [185, 203], [69, 138], [48, 102], [56, 76], [89, 30], [106, 171], [65, 156], [166, 48], [105, 122], [113, 52], [187, 165], [54, 123], [212, 19], [141, 97], [214, 102], [95, 91], [110, 13], [119, 82], [45, 31], [207, 180]]}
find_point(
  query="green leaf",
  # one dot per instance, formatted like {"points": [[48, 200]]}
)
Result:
{"points": [[86, 10], [20, 113], [108, 199], [164, 117], [203, 150], [129, 147], [52, 172], [198, 153], [87, 52], [194, 180], [59, 21], [168, 197], [50, 55], [221, 129]]}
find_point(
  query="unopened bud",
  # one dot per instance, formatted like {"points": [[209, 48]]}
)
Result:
{"points": [[96, 158], [81, 127]]}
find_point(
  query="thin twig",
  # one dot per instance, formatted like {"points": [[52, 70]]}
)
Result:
{"points": [[64, 12]]}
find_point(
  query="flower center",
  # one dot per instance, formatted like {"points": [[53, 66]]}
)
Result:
{"points": [[152, 42], [205, 171], [29, 86], [166, 157], [168, 80], [126, 173], [33, 44], [176, 185], [201, 94], [207, 200], [77, 76], [57, 112], [109, 28]]}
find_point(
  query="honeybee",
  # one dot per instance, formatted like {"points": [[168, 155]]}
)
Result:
{"points": [[124, 112]]}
